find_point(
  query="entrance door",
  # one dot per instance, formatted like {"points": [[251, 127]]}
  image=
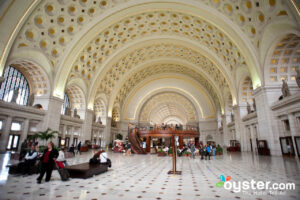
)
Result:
{"points": [[67, 142], [75, 142], [251, 145], [287, 146], [297, 142], [59, 141], [13, 142]]}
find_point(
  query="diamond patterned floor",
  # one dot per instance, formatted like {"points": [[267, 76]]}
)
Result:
{"points": [[145, 177]]}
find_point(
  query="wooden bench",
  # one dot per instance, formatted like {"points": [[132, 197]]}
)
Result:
{"points": [[86, 170], [13, 169]]}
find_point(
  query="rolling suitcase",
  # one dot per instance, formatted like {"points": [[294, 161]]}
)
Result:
{"points": [[64, 174]]}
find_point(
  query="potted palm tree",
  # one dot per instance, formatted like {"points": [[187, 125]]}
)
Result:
{"points": [[45, 136]]}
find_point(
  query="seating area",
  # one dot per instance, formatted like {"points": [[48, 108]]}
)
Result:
{"points": [[86, 170], [13, 169]]}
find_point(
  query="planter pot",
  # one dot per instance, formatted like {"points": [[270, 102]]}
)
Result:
{"points": [[161, 154]]}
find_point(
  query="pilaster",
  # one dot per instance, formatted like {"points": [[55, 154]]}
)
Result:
{"points": [[5, 134], [267, 122], [87, 126]]}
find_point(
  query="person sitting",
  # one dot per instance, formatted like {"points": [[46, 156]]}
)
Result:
{"points": [[72, 149], [166, 149], [128, 151], [103, 157], [30, 159], [61, 160], [95, 159]]}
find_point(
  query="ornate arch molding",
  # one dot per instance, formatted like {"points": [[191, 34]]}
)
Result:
{"points": [[282, 59], [156, 67], [121, 57], [76, 95], [205, 12], [37, 70], [163, 100], [167, 83]]}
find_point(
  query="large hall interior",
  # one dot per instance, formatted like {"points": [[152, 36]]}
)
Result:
{"points": [[186, 99]]}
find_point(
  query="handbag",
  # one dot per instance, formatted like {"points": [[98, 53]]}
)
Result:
{"points": [[108, 162]]}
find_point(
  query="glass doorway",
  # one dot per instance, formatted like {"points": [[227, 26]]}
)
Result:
{"points": [[13, 142], [297, 142], [287, 146]]}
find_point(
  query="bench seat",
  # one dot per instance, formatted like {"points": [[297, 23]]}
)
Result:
{"points": [[86, 170]]}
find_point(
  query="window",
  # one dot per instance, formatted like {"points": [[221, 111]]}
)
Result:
{"points": [[13, 79], [1, 125], [286, 125], [65, 105], [15, 126]]}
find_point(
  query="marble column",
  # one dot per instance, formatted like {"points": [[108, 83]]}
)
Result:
{"points": [[5, 134], [267, 122], [25, 128], [52, 118], [239, 128], [107, 133], [87, 126], [293, 130], [253, 139], [72, 136], [225, 131]]}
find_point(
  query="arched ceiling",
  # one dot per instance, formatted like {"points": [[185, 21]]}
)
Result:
{"points": [[284, 61], [109, 44], [151, 71], [166, 83], [164, 105]]}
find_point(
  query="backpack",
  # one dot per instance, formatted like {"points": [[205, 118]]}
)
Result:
{"points": [[94, 160], [108, 162]]}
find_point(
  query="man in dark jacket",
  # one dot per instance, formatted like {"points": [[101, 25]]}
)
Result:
{"points": [[48, 162], [78, 148], [30, 160]]}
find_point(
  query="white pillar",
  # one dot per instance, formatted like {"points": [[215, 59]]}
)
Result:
{"points": [[225, 131], [267, 122], [238, 125], [107, 132], [293, 130], [253, 139], [5, 133], [72, 136], [25, 128], [52, 118], [87, 126]]}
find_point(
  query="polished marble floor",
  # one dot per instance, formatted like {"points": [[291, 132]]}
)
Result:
{"points": [[145, 177]]}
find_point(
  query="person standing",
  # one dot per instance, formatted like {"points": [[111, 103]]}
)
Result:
{"points": [[193, 149], [208, 151], [78, 147], [214, 150], [201, 150], [48, 160]]}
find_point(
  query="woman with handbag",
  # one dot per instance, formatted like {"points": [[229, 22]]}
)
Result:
{"points": [[47, 162]]}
